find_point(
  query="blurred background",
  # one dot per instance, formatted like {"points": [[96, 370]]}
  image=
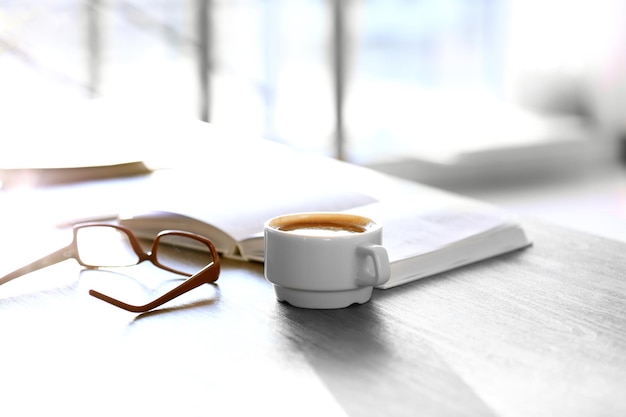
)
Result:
{"points": [[517, 102]]}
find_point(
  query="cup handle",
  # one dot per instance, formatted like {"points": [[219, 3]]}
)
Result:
{"points": [[382, 270]]}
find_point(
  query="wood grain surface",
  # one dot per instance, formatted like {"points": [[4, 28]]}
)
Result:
{"points": [[539, 332]]}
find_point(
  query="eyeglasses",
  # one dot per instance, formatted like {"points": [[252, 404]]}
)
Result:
{"points": [[102, 245]]}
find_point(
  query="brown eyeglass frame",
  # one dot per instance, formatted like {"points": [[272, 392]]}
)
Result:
{"points": [[206, 275]]}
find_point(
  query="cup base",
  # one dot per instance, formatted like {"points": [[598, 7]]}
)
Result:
{"points": [[323, 299]]}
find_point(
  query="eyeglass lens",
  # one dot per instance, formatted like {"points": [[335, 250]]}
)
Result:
{"points": [[102, 246], [182, 254]]}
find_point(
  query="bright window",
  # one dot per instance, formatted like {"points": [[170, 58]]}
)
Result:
{"points": [[428, 78]]}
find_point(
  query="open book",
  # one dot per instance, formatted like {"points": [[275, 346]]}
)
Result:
{"points": [[425, 230]]}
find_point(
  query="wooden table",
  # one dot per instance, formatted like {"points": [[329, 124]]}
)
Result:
{"points": [[540, 332]]}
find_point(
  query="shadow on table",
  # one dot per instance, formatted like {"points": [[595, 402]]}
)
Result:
{"points": [[374, 366]]}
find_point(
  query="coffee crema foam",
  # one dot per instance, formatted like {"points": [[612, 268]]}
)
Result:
{"points": [[321, 229]]}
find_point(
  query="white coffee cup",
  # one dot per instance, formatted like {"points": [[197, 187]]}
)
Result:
{"points": [[324, 260]]}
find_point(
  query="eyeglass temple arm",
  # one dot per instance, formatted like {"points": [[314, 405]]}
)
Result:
{"points": [[203, 277], [51, 259]]}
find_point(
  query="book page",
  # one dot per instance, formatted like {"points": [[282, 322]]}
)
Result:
{"points": [[413, 227]]}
